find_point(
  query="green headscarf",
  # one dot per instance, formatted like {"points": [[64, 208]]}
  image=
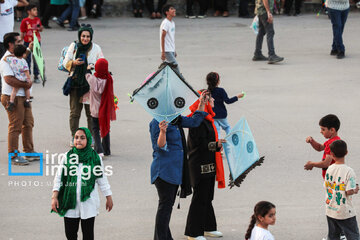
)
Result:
{"points": [[79, 82], [67, 193]]}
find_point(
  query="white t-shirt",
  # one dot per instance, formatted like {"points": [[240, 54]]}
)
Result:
{"points": [[169, 28], [5, 70], [259, 233], [339, 178], [7, 17]]}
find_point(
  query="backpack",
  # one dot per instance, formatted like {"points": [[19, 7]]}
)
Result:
{"points": [[62, 57]]}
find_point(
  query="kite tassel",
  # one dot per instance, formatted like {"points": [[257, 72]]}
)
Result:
{"points": [[131, 98], [241, 178]]}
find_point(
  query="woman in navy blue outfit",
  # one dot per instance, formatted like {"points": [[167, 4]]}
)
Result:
{"points": [[169, 166]]}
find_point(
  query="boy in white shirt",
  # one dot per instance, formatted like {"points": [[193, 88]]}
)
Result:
{"points": [[340, 185], [167, 36]]}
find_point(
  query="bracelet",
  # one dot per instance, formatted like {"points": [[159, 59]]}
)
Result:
{"points": [[28, 49]]}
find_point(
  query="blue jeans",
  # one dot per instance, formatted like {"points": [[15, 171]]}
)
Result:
{"points": [[338, 20], [28, 60], [170, 58], [72, 9], [223, 123]]}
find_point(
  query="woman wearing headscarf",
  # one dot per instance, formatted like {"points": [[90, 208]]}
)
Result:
{"points": [[75, 191], [205, 165], [79, 56], [101, 105]]}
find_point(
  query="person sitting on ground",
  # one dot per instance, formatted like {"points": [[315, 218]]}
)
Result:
{"points": [[155, 13], [138, 8], [203, 5], [220, 6]]}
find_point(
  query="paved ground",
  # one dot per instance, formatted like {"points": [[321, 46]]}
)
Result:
{"points": [[283, 105]]}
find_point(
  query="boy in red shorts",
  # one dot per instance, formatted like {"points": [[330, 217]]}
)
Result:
{"points": [[329, 126], [28, 27]]}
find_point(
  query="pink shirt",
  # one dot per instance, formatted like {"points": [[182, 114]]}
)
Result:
{"points": [[97, 86]]}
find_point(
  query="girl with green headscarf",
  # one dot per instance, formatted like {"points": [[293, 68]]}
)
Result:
{"points": [[80, 55], [75, 194]]}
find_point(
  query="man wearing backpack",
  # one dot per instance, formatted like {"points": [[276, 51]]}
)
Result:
{"points": [[21, 120]]}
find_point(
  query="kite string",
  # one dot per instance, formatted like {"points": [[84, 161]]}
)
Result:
{"points": [[167, 91], [273, 125], [309, 152]]}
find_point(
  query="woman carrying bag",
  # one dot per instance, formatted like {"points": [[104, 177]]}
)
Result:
{"points": [[79, 56]]}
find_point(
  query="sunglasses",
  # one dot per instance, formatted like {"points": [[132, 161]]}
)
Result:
{"points": [[85, 25]]}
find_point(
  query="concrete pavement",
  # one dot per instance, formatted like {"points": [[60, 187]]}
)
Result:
{"points": [[283, 105]]}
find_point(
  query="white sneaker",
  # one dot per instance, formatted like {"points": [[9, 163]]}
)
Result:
{"points": [[214, 234], [358, 4], [197, 238]]}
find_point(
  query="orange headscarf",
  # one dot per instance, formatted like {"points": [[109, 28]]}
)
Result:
{"points": [[218, 158]]}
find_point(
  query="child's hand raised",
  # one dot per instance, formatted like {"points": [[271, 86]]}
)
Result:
{"points": [[109, 203], [308, 166], [309, 139], [241, 95]]}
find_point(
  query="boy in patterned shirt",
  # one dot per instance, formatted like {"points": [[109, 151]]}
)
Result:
{"points": [[340, 185]]}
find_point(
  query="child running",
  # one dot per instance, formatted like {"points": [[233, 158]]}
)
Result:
{"points": [[340, 185], [264, 215], [75, 192], [20, 68], [329, 127], [220, 96]]}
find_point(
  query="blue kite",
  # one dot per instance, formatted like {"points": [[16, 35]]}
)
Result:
{"points": [[165, 94], [241, 152]]}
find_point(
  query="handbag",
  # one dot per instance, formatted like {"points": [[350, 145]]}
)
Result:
{"points": [[67, 86], [62, 57]]}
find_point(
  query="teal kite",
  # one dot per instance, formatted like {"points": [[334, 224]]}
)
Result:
{"points": [[241, 152]]}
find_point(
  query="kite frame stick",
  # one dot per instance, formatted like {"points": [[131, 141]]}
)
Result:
{"points": [[162, 66]]}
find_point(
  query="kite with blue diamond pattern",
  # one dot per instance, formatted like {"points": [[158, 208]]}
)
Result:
{"points": [[241, 152], [165, 94]]}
